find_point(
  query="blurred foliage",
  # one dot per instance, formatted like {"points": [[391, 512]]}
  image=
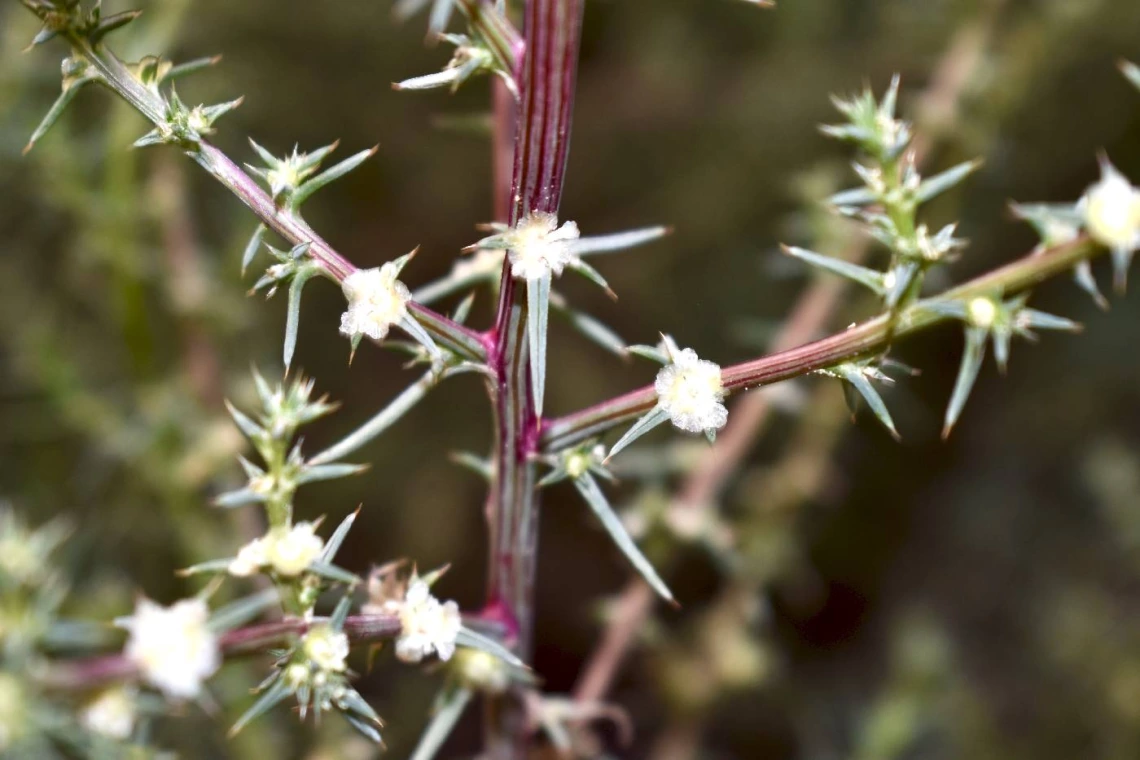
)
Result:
{"points": [[969, 599]]}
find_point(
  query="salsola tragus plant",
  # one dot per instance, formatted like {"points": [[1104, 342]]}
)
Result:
{"points": [[172, 650]]}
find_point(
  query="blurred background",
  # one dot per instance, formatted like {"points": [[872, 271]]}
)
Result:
{"points": [[972, 598]]}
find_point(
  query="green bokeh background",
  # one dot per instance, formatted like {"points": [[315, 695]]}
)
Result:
{"points": [[977, 597]]}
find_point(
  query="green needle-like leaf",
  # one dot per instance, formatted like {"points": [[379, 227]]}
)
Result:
{"points": [[332, 546], [61, 103], [940, 183], [315, 473], [450, 707], [618, 241], [440, 16], [293, 312], [421, 336], [860, 382], [650, 420], [1121, 262], [972, 358], [243, 611], [1083, 275], [867, 277], [334, 573], [380, 422], [594, 497], [537, 318], [277, 693], [333, 173], [473, 640], [253, 246]]}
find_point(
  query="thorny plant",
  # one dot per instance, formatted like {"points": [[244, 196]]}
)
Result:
{"points": [[172, 650]]}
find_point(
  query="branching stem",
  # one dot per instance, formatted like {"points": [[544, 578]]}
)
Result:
{"points": [[867, 338]]}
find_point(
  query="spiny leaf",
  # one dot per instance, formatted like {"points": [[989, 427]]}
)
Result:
{"points": [[474, 640], [315, 473], [473, 462], [243, 611], [860, 382], [110, 24], [277, 693], [1083, 275], [421, 336], [537, 319], [293, 311], [334, 573], [940, 183], [618, 241], [650, 420], [972, 358], [596, 499], [332, 546], [70, 90], [253, 246], [450, 707], [867, 277], [333, 173], [379, 422]]}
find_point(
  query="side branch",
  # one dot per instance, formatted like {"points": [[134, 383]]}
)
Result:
{"points": [[117, 77], [869, 337], [96, 671]]}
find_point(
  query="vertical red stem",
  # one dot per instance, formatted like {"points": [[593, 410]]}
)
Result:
{"points": [[546, 77]]}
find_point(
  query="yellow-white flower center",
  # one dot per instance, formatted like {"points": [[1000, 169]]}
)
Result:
{"points": [[326, 649], [982, 312]]}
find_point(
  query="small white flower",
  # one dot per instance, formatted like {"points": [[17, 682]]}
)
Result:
{"points": [[483, 671], [537, 246], [982, 312], [326, 649], [249, 560], [111, 714], [290, 551], [427, 625], [376, 301], [690, 391], [173, 647], [1111, 209]]}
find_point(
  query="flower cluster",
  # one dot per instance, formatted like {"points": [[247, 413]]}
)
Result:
{"points": [[537, 246], [1111, 211], [286, 551], [427, 625], [690, 391], [173, 647], [376, 301]]}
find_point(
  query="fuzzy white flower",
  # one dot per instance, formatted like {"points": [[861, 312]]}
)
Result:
{"points": [[982, 312], [326, 649], [1111, 209], [290, 551], [426, 624], [111, 714], [376, 301], [537, 246], [249, 560], [690, 391], [173, 647]]}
